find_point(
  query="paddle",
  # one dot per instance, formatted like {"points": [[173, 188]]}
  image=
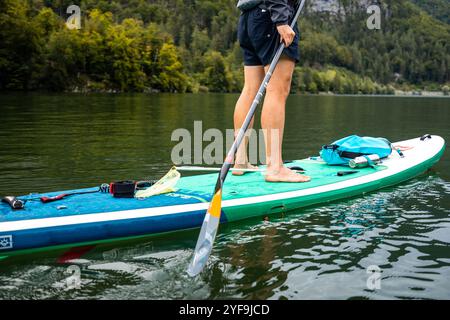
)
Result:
{"points": [[212, 218]]}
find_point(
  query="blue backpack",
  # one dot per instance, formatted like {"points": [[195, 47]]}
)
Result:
{"points": [[343, 150]]}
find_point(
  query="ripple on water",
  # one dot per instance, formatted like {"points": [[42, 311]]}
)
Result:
{"points": [[316, 253]]}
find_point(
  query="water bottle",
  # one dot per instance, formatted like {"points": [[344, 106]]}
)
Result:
{"points": [[361, 162]]}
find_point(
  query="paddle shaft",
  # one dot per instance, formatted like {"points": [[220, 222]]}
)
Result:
{"points": [[241, 134]]}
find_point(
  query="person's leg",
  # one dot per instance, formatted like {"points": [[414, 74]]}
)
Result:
{"points": [[273, 120], [254, 75]]}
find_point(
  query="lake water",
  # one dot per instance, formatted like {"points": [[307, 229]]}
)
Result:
{"points": [[59, 142]]}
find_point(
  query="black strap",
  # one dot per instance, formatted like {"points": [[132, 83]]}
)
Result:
{"points": [[350, 155], [346, 173], [297, 168], [330, 147], [343, 154]]}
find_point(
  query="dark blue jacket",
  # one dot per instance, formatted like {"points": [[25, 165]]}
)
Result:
{"points": [[281, 11]]}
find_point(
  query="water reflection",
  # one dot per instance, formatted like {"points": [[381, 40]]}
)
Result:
{"points": [[315, 253], [64, 142]]}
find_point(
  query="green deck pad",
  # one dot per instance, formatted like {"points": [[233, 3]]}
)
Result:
{"points": [[254, 184]]}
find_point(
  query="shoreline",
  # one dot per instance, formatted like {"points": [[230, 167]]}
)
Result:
{"points": [[398, 93]]}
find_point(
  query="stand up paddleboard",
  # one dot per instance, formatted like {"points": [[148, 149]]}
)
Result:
{"points": [[87, 217]]}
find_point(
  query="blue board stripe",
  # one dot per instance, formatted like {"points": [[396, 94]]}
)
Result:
{"points": [[94, 203], [89, 232]]}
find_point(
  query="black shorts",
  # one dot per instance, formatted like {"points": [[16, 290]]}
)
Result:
{"points": [[259, 38]]}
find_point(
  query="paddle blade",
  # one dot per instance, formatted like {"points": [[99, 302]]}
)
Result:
{"points": [[207, 235]]}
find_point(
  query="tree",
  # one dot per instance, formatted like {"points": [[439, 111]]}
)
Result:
{"points": [[19, 44], [215, 74], [122, 45], [170, 76]]}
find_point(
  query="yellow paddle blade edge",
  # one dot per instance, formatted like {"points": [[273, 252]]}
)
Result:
{"points": [[165, 185], [215, 208]]}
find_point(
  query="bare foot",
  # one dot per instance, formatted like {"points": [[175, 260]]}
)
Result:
{"points": [[286, 175], [245, 166]]}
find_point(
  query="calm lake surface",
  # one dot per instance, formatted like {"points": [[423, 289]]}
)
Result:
{"points": [[60, 142]]}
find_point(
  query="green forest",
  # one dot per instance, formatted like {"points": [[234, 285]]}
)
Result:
{"points": [[191, 46]]}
